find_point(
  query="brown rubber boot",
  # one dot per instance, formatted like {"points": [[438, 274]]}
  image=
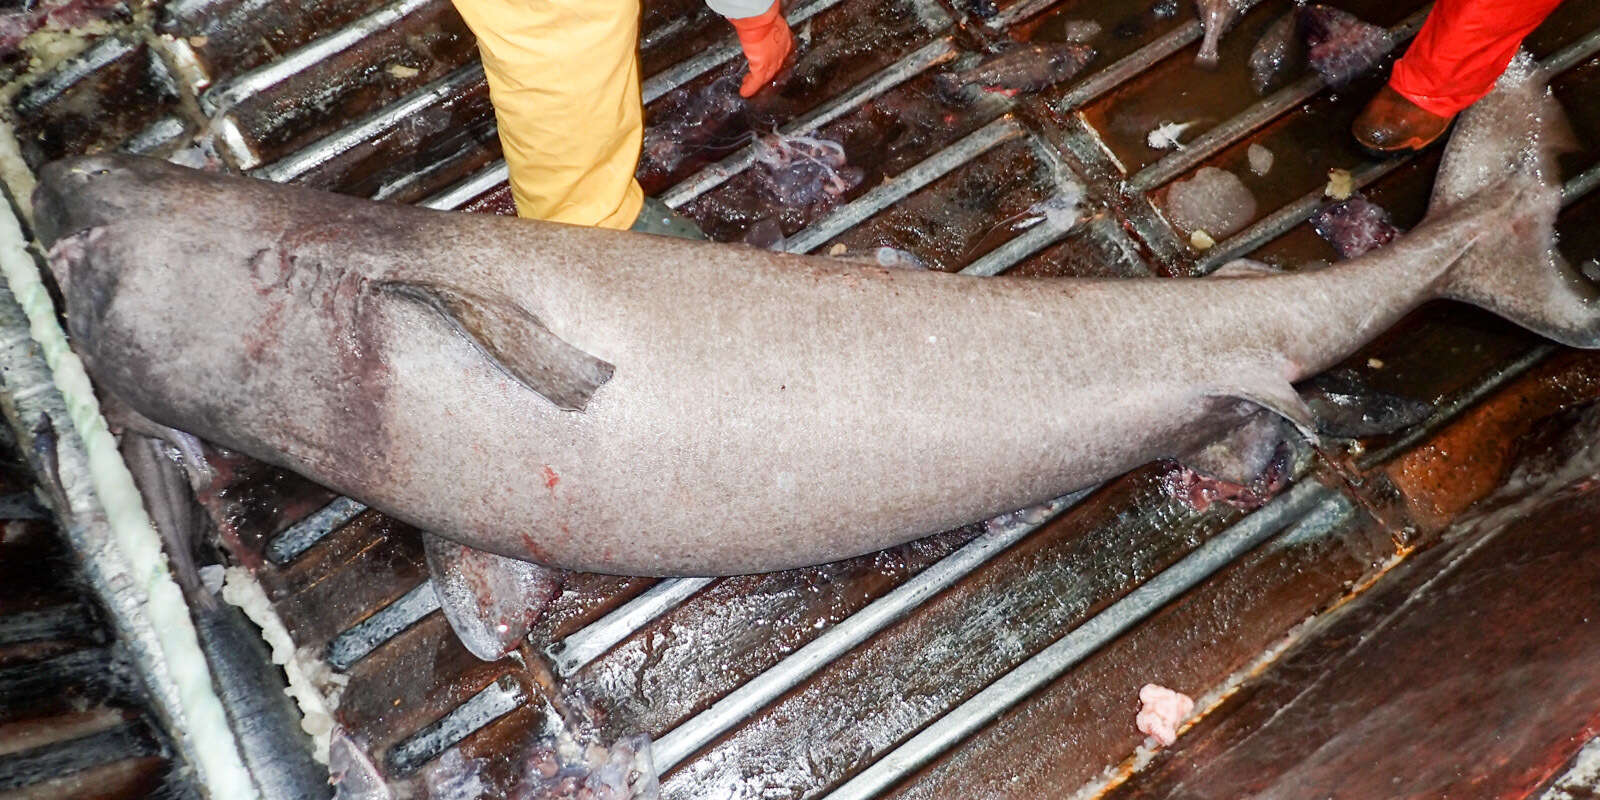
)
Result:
{"points": [[1393, 124]]}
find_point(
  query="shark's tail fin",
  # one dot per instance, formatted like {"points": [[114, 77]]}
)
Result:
{"points": [[1506, 146]]}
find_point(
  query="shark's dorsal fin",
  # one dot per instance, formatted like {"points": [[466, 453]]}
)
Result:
{"points": [[516, 341]]}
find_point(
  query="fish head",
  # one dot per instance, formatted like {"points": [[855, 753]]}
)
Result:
{"points": [[76, 194], [1067, 60], [77, 199]]}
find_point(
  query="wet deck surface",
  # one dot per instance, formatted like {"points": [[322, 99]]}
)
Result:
{"points": [[74, 722], [814, 682]]}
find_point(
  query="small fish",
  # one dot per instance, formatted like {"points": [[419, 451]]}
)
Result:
{"points": [[1354, 225], [982, 9], [1342, 47], [1165, 136], [1216, 17], [1344, 405], [1277, 51], [1021, 69]]}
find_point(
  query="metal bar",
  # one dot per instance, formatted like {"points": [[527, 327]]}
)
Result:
{"points": [[693, 734], [225, 96], [1458, 403], [469, 189], [1584, 183], [1031, 241], [712, 57], [68, 621], [1570, 56], [1130, 65], [129, 739], [895, 74], [300, 537], [362, 638], [1312, 503], [325, 149], [574, 652], [495, 701], [1284, 219], [68, 74], [927, 171]]}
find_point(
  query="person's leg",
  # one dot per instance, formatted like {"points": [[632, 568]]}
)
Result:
{"points": [[564, 79], [1462, 49], [1455, 59]]}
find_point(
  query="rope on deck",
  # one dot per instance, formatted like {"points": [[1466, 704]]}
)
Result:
{"points": [[108, 527]]}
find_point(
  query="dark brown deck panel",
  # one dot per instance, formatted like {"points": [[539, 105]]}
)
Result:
{"points": [[1468, 459], [1455, 679], [411, 681]]}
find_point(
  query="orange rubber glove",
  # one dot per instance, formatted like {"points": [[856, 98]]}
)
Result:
{"points": [[766, 41]]}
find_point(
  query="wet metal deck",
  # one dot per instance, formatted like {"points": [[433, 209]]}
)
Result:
{"points": [[1001, 660]]}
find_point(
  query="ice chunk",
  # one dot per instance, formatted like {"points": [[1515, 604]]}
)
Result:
{"points": [[1214, 201], [1260, 159]]}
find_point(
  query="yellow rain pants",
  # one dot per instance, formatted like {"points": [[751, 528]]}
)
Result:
{"points": [[564, 79]]}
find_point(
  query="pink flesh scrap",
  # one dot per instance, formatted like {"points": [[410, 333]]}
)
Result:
{"points": [[1161, 712]]}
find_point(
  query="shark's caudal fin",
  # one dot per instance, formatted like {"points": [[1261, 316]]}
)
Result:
{"points": [[1507, 144]]}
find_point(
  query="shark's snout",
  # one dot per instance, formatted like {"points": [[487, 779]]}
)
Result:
{"points": [[72, 196]]}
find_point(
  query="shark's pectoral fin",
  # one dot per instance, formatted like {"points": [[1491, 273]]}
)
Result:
{"points": [[490, 601], [518, 342], [1277, 396]]}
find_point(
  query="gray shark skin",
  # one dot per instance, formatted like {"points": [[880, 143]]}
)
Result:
{"points": [[621, 403]]}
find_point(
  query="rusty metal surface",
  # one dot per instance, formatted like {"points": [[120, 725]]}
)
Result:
{"points": [[74, 722], [819, 681]]}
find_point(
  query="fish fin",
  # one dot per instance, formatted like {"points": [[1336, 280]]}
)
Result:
{"points": [[518, 342], [1347, 406], [168, 497], [1244, 268], [1243, 454], [1277, 396], [1504, 150], [490, 601]]}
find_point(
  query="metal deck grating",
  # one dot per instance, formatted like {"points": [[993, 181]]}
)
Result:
{"points": [[846, 680]]}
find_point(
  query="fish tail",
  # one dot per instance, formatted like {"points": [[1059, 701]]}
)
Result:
{"points": [[1499, 180]]}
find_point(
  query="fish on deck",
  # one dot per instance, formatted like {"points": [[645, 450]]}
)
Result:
{"points": [[1020, 69], [521, 388]]}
